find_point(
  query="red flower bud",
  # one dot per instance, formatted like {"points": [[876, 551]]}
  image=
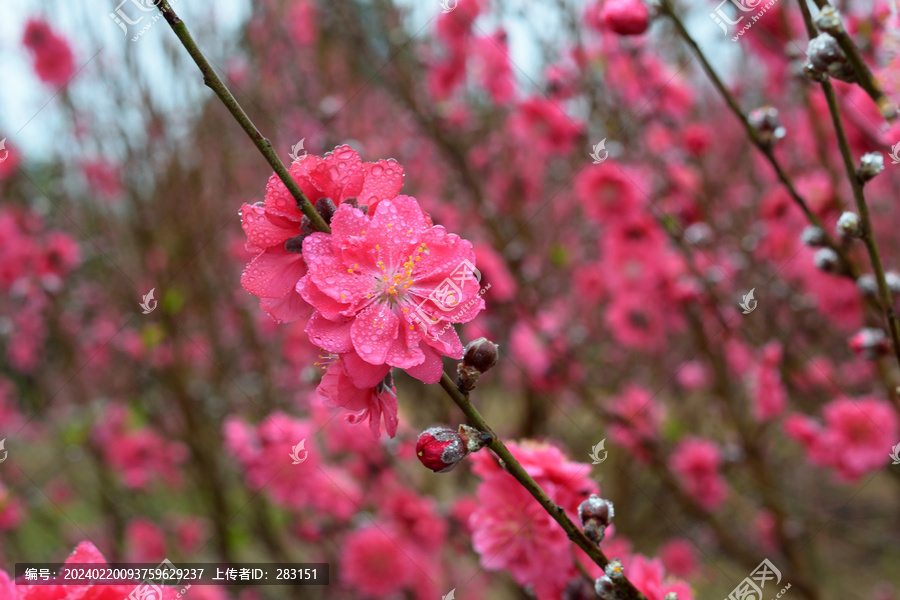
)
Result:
{"points": [[626, 17], [441, 448]]}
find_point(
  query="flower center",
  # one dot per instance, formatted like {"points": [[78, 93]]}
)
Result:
{"points": [[393, 287]]}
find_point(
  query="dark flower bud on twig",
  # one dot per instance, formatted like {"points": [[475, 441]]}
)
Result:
{"points": [[326, 208], [870, 165], [827, 57], [827, 260], [829, 21], [767, 125], [606, 589], [596, 514], [441, 448], [892, 279], [870, 343], [480, 355], [295, 244], [813, 236], [867, 285], [578, 588]]}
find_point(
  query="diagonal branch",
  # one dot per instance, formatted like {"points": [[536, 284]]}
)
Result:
{"points": [[215, 83]]}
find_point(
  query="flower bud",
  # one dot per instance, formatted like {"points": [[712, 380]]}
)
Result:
{"points": [[829, 21], [606, 588], [867, 285], [295, 244], [870, 165], [870, 343], [614, 570], [595, 514], [578, 588], [767, 125], [480, 355], [826, 56], [848, 225], [441, 448], [813, 236], [626, 17], [892, 279], [325, 207], [827, 260]]}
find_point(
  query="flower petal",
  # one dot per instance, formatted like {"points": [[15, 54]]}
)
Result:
{"points": [[373, 332], [330, 335], [383, 180], [273, 273]]}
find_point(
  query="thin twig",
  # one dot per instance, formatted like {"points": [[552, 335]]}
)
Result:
{"points": [[868, 235], [515, 468], [215, 83], [864, 75], [765, 149]]}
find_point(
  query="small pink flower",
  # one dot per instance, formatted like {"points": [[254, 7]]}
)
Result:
{"points": [[387, 287], [511, 531], [373, 563], [697, 461], [640, 417], [54, 62], [361, 388], [679, 557], [649, 576], [854, 438], [769, 394]]}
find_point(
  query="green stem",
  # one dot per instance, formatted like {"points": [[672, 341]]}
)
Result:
{"points": [[515, 468], [215, 83]]}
